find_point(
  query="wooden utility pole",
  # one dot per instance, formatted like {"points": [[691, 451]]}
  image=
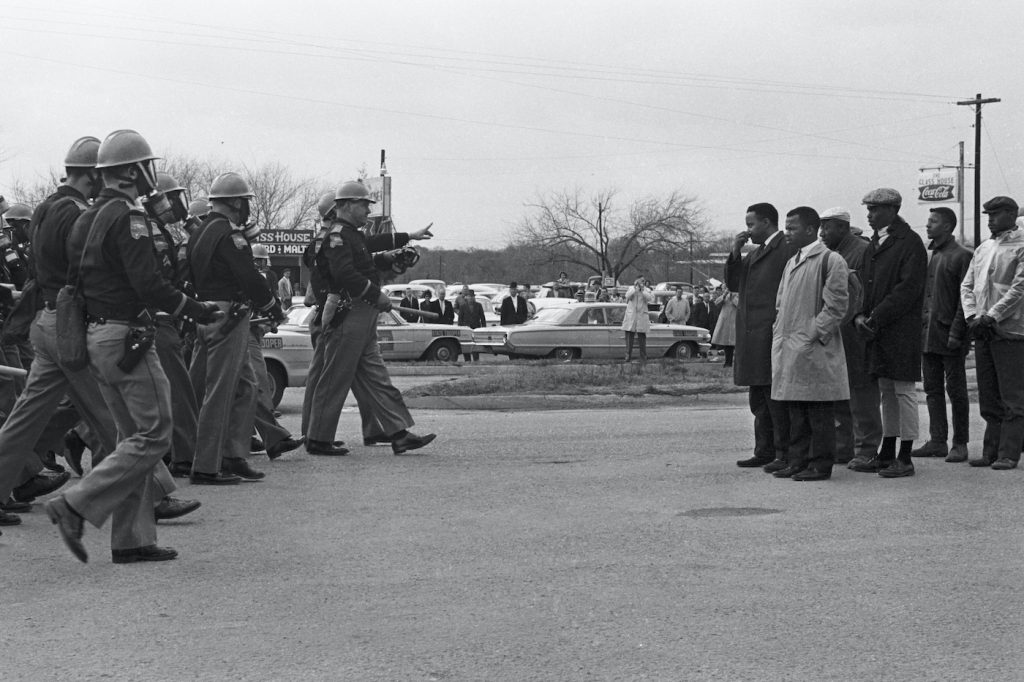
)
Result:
{"points": [[960, 189], [976, 103]]}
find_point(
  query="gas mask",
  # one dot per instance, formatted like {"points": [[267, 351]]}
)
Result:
{"points": [[166, 208], [18, 231]]}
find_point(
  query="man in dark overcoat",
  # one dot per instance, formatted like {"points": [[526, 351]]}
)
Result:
{"points": [[756, 277], [890, 320]]}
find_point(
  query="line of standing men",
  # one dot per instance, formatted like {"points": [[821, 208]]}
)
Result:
{"points": [[831, 348]]}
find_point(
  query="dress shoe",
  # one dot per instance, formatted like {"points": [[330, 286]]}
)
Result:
{"points": [[256, 444], [376, 440], [812, 474], [219, 478], [180, 469], [69, 524], [897, 469], [755, 461], [930, 449], [8, 519], [982, 461], [241, 468], [50, 462], [74, 448], [410, 441], [277, 414], [788, 472], [1004, 463], [147, 553], [283, 446], [13, 506], [869, 465], [957, 453], [775, 465], [39, 485], [319, 447], [172, 508]]}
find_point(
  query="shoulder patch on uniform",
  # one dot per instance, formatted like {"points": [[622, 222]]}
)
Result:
{"points": [[334, 240], [138, 226], [239, 240]]}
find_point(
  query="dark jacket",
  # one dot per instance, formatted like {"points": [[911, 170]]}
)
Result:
{"points": [[514, 310], [409, 303], [431, 306], [447, 311], [472, 315], [942, 315], [854, 251], [756, 277], [700, 314], [893, 298]]}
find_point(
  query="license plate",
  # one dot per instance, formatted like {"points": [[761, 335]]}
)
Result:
{"points": [[272, 342]]}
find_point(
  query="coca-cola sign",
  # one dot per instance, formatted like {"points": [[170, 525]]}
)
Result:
{"points": [[937, 185]]}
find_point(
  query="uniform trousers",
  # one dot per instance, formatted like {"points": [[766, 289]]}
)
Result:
{"points": [[859, 422], [771, 423], [952, 369], [316, 367], [229, 393], [121, 485], [1001, 396], [811, 434], [45, 387], [184, 407], [899, 409], [270, 431], [352, 361]]}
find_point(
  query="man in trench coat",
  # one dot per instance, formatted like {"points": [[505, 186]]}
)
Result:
{"points": [[808, 361], [756, 278]]}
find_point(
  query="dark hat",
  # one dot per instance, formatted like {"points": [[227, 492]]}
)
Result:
{"points": [[996, 204], [512, 284], [883, 196]]}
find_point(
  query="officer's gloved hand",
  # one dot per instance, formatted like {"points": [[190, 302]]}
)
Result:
{"points": [[865, 327], [210, 313], [383, 303], [276, 314]]}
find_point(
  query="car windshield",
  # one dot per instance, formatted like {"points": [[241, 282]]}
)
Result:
{"points": [[299, 315], [552, 316]]}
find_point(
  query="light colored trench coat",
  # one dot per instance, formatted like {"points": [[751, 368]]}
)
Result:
{"points": [[808, 360], [636, 318]]}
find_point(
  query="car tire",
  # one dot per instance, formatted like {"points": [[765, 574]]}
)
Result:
{"points": [[278, 381], [565, 354], [444, 350], [683, 350]]}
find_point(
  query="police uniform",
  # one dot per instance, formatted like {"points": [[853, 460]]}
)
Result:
{"points": [[318, 284], [220, 260], [170, 351], [119, 279], [269, 429], [47, 381], [349, 353]]}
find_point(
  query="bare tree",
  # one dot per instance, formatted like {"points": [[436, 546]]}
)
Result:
{"points": [[593, 233], [281, 202], [33, 191], [194, 174]]}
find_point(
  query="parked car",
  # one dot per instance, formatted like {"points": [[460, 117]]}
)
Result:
{"points": [[438, 286], [288, 351], [588, 331]]}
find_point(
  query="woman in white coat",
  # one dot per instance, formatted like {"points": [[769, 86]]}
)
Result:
{"points": [[637, 322]]}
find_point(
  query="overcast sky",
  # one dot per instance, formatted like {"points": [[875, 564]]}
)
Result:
{"points": [[481, 105]]}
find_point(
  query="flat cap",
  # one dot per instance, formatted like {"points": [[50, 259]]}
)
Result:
{"points": [[1000, 204], [837, 213], [883, 196]]}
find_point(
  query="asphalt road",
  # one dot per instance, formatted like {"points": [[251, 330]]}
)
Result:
{"points": [[558, 545]]}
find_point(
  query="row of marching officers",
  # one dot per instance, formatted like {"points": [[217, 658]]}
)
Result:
{"points": [[128, 283]]}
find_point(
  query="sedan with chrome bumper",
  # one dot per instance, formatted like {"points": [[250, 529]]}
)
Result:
{"points": [[588, 331]]}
